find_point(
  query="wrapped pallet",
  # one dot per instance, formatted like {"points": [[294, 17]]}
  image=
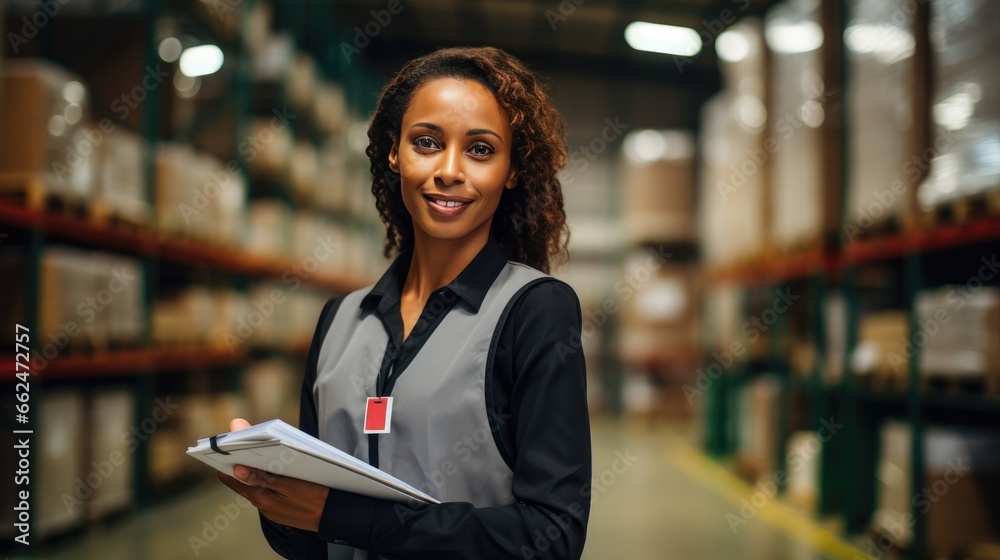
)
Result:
{"points": [[303, 170], [46, 138], [884, 91], [659, 321], [962, 472], [755, 427], [67, 280], [802, 463], [804, 195], [734, 166], [960, 333], [59, 464], [882, 349], [112, 414], [966, 104], [121, 189], [659, 186], [269, 228]]}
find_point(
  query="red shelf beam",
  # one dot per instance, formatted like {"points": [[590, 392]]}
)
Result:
{"points": [[146, 242]]}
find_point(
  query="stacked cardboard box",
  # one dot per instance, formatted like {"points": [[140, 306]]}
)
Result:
{"points": [[46, 132], [90, 298], [659, 186], [959, 332], [659, 316], [882, 348], [197, 196], [962, 466], [966, 105], [120, 189]]}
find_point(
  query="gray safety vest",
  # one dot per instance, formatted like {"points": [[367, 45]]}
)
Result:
{"points": [[441, 440]]}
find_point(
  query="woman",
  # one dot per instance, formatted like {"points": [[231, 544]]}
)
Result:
{"points": [[466, 331]]}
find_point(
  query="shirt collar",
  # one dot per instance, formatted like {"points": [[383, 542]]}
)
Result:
{"points": [[470, 285]]}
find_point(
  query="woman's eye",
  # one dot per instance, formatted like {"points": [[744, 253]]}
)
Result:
{"points": [[481, 149], [424, 143]]}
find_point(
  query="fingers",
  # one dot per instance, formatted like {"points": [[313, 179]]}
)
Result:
{"points": [[237, 424]]}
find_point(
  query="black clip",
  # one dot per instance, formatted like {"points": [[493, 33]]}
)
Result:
{"points": [[214, 443]]}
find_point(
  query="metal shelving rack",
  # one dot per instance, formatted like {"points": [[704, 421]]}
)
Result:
{"points": [[847, 466], [139, 367]]}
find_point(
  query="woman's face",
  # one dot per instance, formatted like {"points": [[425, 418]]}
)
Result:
{"points": [[453, 158]]}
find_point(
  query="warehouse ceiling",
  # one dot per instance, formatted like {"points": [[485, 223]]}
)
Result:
{"points": [[579, 44]]}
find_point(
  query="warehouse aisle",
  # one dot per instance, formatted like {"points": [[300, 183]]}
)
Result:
{"points": [[655, 500]]}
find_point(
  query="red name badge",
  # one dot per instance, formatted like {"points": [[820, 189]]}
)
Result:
{"points": [[378, 414]]}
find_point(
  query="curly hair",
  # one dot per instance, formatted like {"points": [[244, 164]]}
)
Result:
{"points": [[530, 222]]}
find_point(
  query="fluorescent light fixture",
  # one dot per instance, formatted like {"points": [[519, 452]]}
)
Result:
{"points": [[665, 39], [201, 60], [888, 42], [793, 37]]}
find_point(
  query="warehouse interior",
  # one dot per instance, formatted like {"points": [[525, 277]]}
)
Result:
{"points": [[784, 224]]}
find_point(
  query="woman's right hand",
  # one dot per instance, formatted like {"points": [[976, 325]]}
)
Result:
{"points": [[237, 424]]}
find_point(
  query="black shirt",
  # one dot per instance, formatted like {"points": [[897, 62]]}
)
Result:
{"points": [[538, 412]]}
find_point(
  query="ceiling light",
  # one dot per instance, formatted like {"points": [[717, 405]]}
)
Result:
{"points": [[786, 36], [201, 60], [665, 39]]}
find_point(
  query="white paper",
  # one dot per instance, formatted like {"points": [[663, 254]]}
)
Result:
{"points": [[280, 449]]}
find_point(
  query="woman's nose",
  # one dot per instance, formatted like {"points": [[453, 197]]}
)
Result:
{"points": [[450, 169]]}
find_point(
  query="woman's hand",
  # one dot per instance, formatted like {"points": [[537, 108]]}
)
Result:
{"points": [[283, 500]]}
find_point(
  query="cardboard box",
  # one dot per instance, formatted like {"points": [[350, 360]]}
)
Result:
{"points": [[962, 473], [659, 187], [46, 130]]}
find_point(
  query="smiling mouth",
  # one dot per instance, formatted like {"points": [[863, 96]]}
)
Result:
{"points": [[447, 208]]}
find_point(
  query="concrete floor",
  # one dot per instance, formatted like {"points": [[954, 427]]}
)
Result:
{"points": [[656, 508]]}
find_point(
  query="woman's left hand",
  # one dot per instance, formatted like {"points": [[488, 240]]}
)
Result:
{"points": [[283, 500]]}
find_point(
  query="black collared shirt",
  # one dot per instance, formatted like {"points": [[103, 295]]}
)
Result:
{"points": [[537, 398]]}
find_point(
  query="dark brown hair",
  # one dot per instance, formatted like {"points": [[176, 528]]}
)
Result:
{"points": [[530, 222]]}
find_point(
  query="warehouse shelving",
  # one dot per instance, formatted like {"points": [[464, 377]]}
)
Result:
{"points": [[919, 257], [144, 368]]}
